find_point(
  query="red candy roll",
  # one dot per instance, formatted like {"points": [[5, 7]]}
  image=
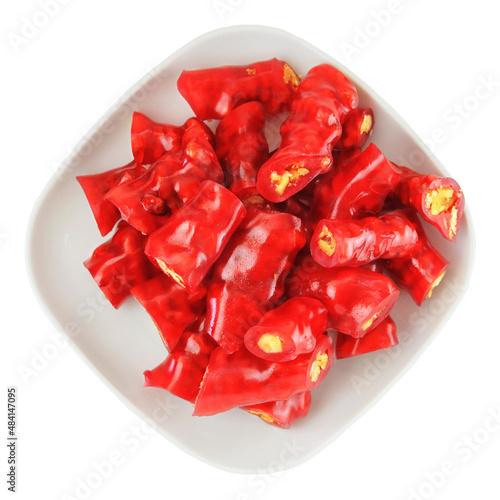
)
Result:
{"points": [[151, 140], [242, 379], [282, 413], [241, 145], [439, 200], [171, 307], [182, 371], [380, 337], [419, 271], [357, 127], [193, 238], [288, 330], [119, 264], [147, 201], [357, 187], [97, 186], [212, 93], [198, 147], [308, 134], [339, 242], [357, 299]]}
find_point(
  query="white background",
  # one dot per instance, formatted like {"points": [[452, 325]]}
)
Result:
{"points": [[425, 58]]}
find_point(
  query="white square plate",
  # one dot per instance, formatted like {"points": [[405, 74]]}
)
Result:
{"points": [[120, 345]]}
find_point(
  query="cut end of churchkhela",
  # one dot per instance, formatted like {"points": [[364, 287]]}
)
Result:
{"points": [[272, 344], [381, 337], [290, 175], [262, 415], [376, 315], [366, 124], [419, 282], [321, 360], [318, 366], [356, 128], [326, 242], [419, 272], [290, 77], [282, 413], [443, 206], [434, 284], [170, 272]]}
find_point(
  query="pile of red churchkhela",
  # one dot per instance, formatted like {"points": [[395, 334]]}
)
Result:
{"points": [[253, 264]]}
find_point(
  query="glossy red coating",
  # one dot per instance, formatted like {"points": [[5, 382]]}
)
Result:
{"points": [[241, 145], [198, 146], [213, 92], [357, 187], [242, 379], [170, 306], [294, 327], [341, 242], [308, 134], [419, 271], [357, 299], [439, 200], [119, 264], [151, 140], [96, 187], [382, 336], [193, 238], [135, 199], [376, 266], [182, 371], [147, 201], [356, 129], [249, 277]]}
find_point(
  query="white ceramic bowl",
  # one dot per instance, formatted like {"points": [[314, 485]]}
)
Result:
{"points": [[120, 345]]}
